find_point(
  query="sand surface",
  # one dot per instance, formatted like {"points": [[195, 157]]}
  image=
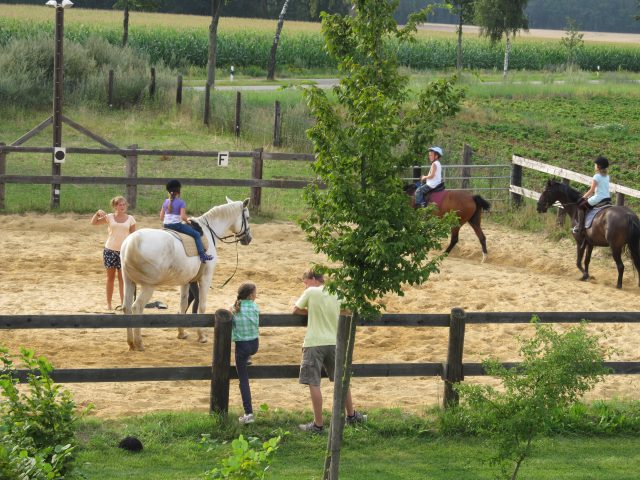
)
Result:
{"points": [[53, 264]]}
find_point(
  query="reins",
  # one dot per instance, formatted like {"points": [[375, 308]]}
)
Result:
{"points": [[237, 238]]}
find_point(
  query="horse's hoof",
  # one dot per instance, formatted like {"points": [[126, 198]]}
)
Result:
{"points": [[202, 339], [182, 336], [585, 278]]}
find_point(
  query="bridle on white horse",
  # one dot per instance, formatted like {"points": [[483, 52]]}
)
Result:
{"points": [[237, 237]]}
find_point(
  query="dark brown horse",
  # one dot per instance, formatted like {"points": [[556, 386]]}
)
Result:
{"points": [[613, 226], [467, 207]]}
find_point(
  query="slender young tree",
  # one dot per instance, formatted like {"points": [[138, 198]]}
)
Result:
{"points": [[374, 241], [128, 5], [498, 18], [216, 11], [464, 10], [271, 69]]}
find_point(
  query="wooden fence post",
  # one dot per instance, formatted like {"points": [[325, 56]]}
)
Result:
{"points": [[152, 86], [516, 180], [219, 402], [238, 107], [3, 171], [207, 103], [256, 174], [562, 214], [179, 91], [452, 370], [131, 171], [110, 89], [467, 155], [277, 125]]}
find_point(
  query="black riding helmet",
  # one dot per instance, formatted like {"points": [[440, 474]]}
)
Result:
{"points": [[602, 162], [173, 186]]}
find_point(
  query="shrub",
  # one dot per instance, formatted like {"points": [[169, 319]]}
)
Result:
{"points": [[557, 368], [37, 429]]}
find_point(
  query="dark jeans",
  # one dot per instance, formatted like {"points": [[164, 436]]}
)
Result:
{"points": [[244, 350], [189, 230]]}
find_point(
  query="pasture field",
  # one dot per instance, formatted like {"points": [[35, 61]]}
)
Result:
{"points": [[564, 124], [417, 450]]}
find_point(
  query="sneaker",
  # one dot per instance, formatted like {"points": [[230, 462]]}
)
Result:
{"points": [[245, 419], [311, 427], [357, 417], [205, 258]]}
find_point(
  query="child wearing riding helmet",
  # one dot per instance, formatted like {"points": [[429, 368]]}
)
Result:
{"points": [[174, 212], [598, 191], [433, 179]]}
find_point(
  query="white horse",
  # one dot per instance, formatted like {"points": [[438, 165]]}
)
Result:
{"points": [[154, 257]]}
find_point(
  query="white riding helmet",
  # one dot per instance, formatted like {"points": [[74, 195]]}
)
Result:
{"points": [[437, 150]]}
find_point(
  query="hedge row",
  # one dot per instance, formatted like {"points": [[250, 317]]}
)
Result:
{"points": [[179, 48]]}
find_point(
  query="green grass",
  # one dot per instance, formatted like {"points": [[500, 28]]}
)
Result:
{"points": [[392, 445]]}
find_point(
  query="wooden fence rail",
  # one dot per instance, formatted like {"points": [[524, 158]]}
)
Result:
{"points": [[451, 371], [518, 191]]}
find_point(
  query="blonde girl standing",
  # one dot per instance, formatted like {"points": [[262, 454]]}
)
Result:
{"points": [[119, 225]]}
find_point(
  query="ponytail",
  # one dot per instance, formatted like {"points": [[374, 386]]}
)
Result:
{"points": [[244, 292]]}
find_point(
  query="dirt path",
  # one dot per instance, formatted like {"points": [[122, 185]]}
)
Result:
{"points": [[53, 264]]}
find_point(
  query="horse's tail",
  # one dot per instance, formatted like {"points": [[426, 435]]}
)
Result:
{"points": [[634, 240], [481, 204]]}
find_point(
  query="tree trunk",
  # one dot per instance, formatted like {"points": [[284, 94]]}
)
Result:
{"points": [[216, 10], [459, 48], [344, 360], [271, 69], [507, 52], [125, 26]]}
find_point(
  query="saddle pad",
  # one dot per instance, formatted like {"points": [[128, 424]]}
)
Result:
{"points": [[437, 198], [591, 214], [188, 242]]}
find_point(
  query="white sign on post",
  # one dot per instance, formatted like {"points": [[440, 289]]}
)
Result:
{"points": [[223, 159]]}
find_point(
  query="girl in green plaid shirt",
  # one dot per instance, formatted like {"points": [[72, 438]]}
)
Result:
{"points": [[246, 319]]}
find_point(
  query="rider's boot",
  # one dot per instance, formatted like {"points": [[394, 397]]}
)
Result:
{"points": [[205, 258]]}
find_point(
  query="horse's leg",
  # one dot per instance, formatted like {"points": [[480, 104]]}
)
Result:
{"points": [[454, 239], [616, 252], [204, 284], [138, 309], [480, 234], [580, 245], [588, 250], [127, 303], [184, 304]]}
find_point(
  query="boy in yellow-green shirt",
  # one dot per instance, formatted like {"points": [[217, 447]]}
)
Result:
{"points": [[319, 347]]}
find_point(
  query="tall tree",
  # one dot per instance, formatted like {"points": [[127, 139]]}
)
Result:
{"points": [[362, 221], [271, 68], [128, 5], [216, 11], [498, 18], [464, 11]]}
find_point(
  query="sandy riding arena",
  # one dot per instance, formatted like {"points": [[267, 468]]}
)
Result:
{"points": [[53, 265]]}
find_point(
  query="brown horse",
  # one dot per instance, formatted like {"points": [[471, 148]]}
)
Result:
{"points": [[613, 226], [467, 207]]}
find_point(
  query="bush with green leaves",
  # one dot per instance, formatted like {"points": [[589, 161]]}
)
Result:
{"points": [[556, 370], [27, 72], [248, 460], [37, 424]]}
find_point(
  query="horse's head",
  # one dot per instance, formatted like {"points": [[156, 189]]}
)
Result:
{"points": [[549, 196], [240, 227]]}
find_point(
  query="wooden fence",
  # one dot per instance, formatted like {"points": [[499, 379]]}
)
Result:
{"points": [[451, 370], [518, 192], [131, 180]]}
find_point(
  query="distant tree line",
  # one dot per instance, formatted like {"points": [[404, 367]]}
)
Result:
{"points": [[589, 15]]}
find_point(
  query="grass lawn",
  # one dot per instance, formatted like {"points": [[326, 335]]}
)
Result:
{"points": [[392, 445]]}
